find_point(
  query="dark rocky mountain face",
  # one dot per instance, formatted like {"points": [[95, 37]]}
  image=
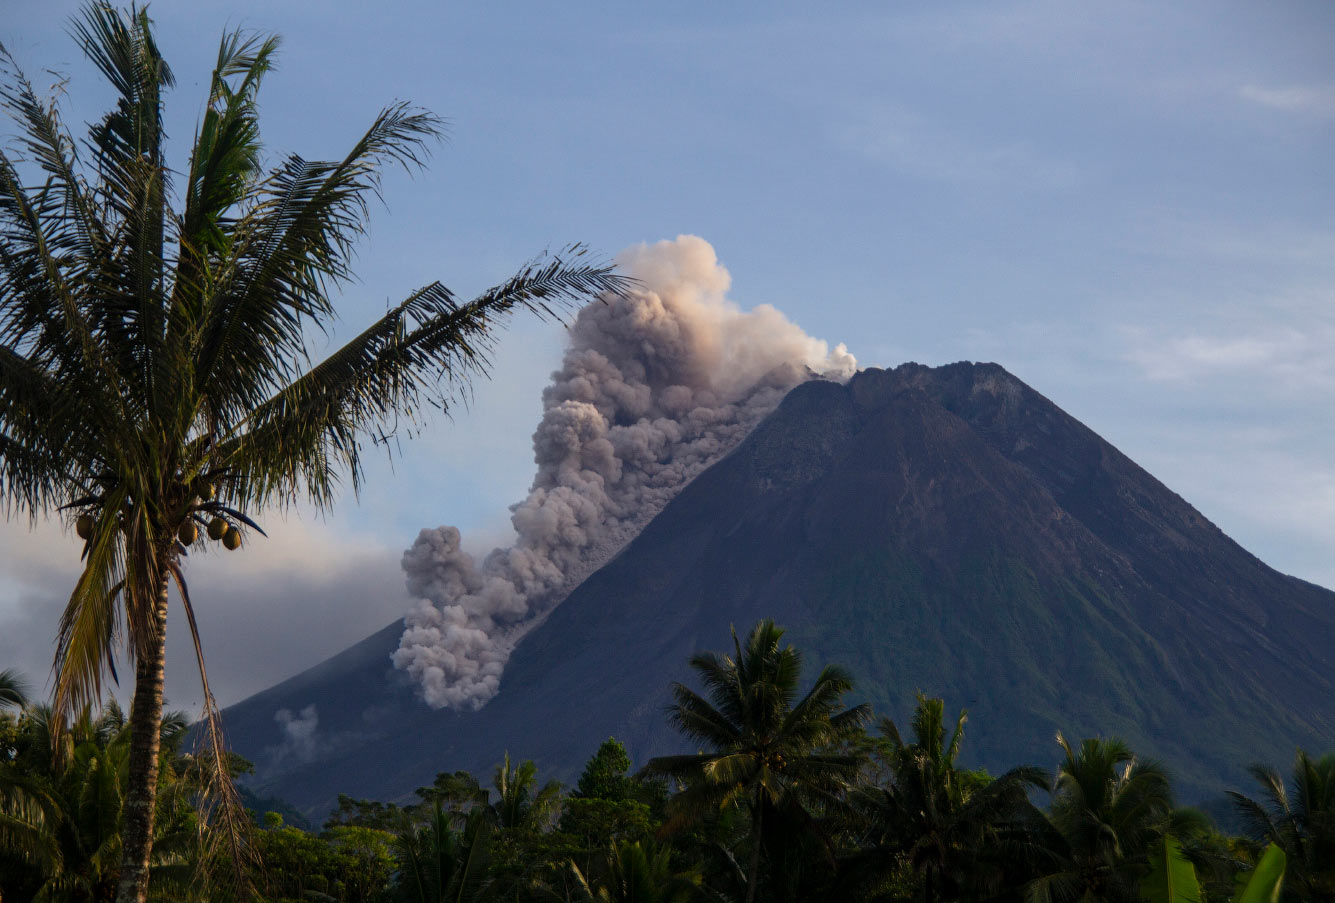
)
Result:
{"points": [[947, 530]]}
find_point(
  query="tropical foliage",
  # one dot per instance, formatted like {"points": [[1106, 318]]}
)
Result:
{"points": [[636, 873], [1299, 819], [789, 798], [1107, 809], [947, 828], [62, 802]]}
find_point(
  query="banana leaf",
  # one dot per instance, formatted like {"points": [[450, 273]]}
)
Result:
{"points": [[1172, 879], [1263, 883]]}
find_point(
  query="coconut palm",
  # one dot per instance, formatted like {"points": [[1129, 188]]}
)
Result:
{"points": [[769, 751], [1108, 808], [949, 825], [154, 376], [14, 690], [1300, 821]]}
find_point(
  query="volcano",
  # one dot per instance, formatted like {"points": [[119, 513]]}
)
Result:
{"points": [[946, 530]]}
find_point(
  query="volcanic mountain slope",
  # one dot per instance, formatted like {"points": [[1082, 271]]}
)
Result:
{"points": [[947, 530]]}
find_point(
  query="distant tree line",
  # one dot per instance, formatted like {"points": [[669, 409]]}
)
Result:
{"points": [[789, 797]]}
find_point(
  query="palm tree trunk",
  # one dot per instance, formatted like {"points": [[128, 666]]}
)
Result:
{"points": [[753, 870], [145, 740]]}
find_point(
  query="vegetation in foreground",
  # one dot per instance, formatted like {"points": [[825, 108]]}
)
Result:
{"points": [[790, 797]]}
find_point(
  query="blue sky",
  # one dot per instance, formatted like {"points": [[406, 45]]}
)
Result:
{"points": [[1128, 205]]}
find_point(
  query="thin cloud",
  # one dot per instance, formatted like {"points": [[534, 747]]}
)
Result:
{"points": [[1272, 361], [916, 146], [1312, 100], [1195, 356]]}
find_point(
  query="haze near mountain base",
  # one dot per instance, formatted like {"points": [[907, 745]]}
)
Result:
{"points": [[655, 387]]}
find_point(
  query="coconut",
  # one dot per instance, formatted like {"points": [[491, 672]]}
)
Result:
{"points": [[232, 539], [188, 533], [84, 526], [217, 528], [206, 492]]}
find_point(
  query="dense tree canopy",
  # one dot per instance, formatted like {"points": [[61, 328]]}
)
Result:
{"points": [[859, 816]]}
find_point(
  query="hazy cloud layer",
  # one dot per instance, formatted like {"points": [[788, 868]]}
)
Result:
{"points": [[276, 607]]}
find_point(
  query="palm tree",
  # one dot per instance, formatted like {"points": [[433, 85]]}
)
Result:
{"points": [[520, 804], [769, 751], [947, 824], [1108, 808], [636, 873], [1301, 823], [154, 376]]}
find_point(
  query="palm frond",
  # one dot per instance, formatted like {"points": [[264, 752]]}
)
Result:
{"points": [[43, 428], [292, 244], [15, 691], [48, 315], [126, 150], [693, 716], [27, 817], [64, 200], [89, 625], [683, 767], [224, 814], [226, 155], [428, 346]]}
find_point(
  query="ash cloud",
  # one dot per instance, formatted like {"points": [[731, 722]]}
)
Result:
{"points": [[654, 388]]}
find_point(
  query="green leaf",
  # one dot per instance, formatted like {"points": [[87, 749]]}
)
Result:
{"points": [[1172, 879], [1264, 882]]}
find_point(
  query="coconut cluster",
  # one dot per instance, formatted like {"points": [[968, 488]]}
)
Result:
{"points": [[218, 528]]}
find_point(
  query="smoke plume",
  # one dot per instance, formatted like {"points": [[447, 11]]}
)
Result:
{"points": [[654, 388], [298, 736]]}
